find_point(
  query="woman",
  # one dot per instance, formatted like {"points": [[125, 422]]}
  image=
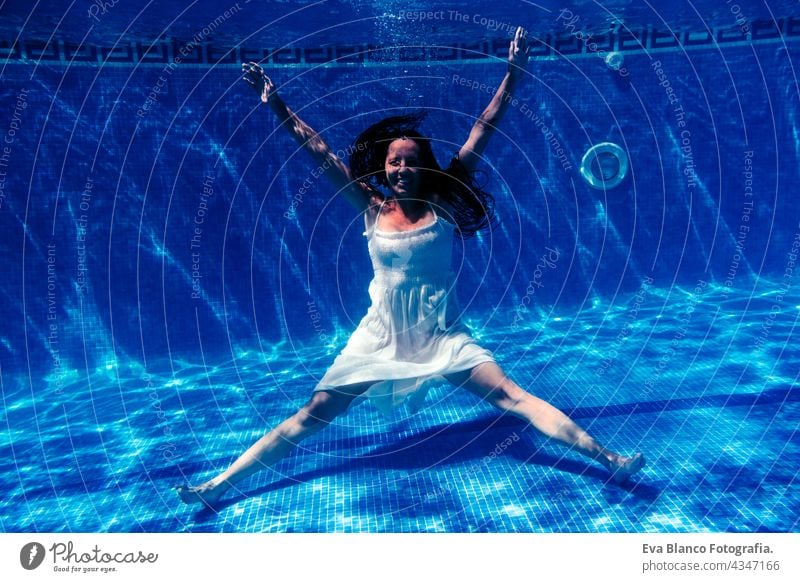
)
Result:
{"points": [[411, 332]]}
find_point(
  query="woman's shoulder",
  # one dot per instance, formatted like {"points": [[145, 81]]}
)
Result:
{"points": [[374, 202]]}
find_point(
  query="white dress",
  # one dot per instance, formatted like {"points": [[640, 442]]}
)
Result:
{"points": [[412, 333]]}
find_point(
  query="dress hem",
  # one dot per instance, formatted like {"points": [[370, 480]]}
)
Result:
{"points": [[377, 379]]}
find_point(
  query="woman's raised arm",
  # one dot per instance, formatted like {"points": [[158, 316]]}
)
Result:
{"points": [[471, 151], [338, 173]]}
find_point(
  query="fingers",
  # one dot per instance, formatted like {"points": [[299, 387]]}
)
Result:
{"points": [[255, 77], [519, 46], [254, 70], [252, 73], [520, 41], [250, 78], [518, 50], [521, 37], [252, 67]]}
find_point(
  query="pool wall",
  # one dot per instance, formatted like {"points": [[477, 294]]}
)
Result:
{"points": [[149, 212]]}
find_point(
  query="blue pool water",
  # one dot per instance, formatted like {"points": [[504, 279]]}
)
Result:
{"points": [[177, 278]]}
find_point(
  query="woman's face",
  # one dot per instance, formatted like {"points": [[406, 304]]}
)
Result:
{"points": [[402, 168]]}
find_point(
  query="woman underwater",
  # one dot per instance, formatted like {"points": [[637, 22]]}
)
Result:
{"points": [[411, 332]]}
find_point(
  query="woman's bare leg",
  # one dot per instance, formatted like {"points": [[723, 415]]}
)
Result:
{"points": [[318, 413], [488, 381]]}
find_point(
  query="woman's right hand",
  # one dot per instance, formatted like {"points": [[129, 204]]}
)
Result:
{"points": [[255, 77], [518, 51]]}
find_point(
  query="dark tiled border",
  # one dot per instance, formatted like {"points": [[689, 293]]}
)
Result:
{"points": [[207, 53]]}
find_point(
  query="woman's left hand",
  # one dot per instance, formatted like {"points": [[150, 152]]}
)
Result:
{"points": [[518, 51]]}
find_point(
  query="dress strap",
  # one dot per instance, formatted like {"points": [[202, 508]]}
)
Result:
{"points": [[370, 228]]}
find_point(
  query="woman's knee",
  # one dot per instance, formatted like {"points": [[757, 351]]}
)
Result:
{"points": [[323, 407], [505, 395]]}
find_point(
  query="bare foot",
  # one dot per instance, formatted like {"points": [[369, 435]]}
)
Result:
{"points": [[624, 467], [207, 493]]}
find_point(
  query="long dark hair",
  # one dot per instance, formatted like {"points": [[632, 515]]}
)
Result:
{"points": [[472, 207]]}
